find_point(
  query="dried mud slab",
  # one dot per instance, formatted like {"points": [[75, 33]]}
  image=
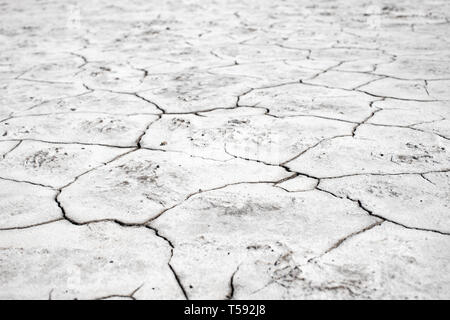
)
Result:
{"points": [[259, 53], [110, 76], [215, 232], [398, 89], [342, 79], [385, 262], [56, 68], [96, 102], [440, 127], [413, 67], [21, 95], [243, 133], [301, 99], [412, 200], [409, 113], [6, 147], [84, 262], [265, 74], [376, 149], [193, 91], [439, 89], [88, 128], [54, 165], [143, 184], [23, 205]]}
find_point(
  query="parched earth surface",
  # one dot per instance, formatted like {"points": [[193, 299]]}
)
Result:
{"points": [[224, 149]]}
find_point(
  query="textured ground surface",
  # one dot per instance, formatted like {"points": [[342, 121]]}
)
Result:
{"points": [[224, 149]]}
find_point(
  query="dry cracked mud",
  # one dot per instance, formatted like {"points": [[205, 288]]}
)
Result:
{"points": [[224, 150]]}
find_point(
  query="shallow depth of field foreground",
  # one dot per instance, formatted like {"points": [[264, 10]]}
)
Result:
{"points": [[224, 149]]}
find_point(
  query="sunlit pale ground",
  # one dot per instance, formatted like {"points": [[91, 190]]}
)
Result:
{"points": [[224, 149]]}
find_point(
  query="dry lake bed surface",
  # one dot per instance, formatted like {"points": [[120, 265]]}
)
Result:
{"points": [[224, 149]]}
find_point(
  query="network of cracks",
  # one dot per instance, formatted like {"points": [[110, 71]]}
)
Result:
{"points": [[224, 150]]}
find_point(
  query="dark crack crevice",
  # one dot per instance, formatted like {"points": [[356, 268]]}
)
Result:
{"points": [[74, 142], [383, 174], [31, 115], [355, 128], [338, 243], [232, 290], [172, 248], [163, 111], [126, 296], [82, 57], [32, 225], [29, 182], [144, 132]]}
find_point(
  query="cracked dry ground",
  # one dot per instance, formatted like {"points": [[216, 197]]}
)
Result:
{"points": [[224, 150]]}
